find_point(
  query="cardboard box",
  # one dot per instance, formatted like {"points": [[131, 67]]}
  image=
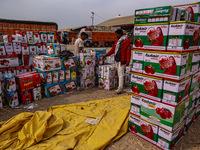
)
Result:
{"points": [[53, 49], [183, 37], [197, 98], [61, 75], [73, 74], [17, 38], [44, 48], [63, 47], [166, 116], [43, 36], [109, 84], [36, 36], [195, 63], [69, 86], [135, 105], [12, 98], [11, 61], [32, 49], [137, 61], [48, 77], [25, 97], [55, 76], [50, 37], [9, 48], [2, 49], [167, 140], [36, 94], [194, 86], [69, 63], [175, 92], [143, 129], [189, 121], [30, 37], [50, 90], [25, 48], [67, 75], [39, 48], [150, 37], [46, 63], [23, 36], [17, 48], [191, 104], [127, 79], [10, 83], [170, 66], [146, 86]]}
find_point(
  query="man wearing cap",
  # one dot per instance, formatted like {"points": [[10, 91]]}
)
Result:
{"points": [[122, 55]]}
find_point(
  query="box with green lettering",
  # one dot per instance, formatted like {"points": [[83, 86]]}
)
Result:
{"points": [[135, 105], [195, 83], [166, 116], [195, 63], [144, 129], [175, 92], [167, 140], [167, 65], [146, 86], [137, 61]]}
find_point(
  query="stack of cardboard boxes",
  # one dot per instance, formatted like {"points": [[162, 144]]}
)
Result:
{"points": [[165, 75]]}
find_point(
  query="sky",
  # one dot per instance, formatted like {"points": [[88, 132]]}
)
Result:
{"points": [[75, 13]]}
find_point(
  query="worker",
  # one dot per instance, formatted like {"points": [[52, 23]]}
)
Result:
{"points": [[79, 44], [122, 55]]}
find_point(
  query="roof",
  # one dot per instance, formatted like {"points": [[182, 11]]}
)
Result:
{"points": [[118, 21]]}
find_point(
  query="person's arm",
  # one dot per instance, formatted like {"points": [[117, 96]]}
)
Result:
{"points": [[128, 53], [110, 52]]}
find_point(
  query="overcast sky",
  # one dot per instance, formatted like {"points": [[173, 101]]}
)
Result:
{"points": [[75, 13]]}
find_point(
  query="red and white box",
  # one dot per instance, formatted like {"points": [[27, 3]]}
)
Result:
{"points": [[36, 35], [2, 49], [23, 36], [17, 48], [25, 48], [9, 48]]}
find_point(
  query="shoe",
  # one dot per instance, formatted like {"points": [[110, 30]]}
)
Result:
{"points": [[119, 90]]}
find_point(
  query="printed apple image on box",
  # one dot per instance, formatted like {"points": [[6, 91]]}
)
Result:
{"points": [[182, 37], [48, 77], [101, 83], [166, 116], [2, 49], [50, 37], [37, 94], [165, 65], [53, 89], [61, 75], [85, 60], [195, 83], [9, 62], [150, 37], [53, 49], [70, 85], [25, 48], [137, 61], [39, 48], [135, 105], [32, 49], [109, 72], [17, 48], [44, 48], [55, 76], [144, 129], [43, 37], [175, 92], [146, 86], [193, 9], [9, 48], [167, 140], [12, 98], [36, 36], [69, 63], [30, 37]]}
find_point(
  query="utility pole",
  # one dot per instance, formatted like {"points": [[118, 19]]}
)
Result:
{"points": [[92, 18]]}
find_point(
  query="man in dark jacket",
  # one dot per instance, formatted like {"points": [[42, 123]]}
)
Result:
{"points": [[122, 55]]}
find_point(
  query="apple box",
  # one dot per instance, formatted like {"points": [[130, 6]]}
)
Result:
{"points": [[7, 38], [25, 97], [146, 86], [36, 94], [50, 90], [39, 48], [2, 49], [71, 62], [167, 65], [50, 37], [55, 76], [150, 37], [109, 84], [183, 36], [69, 86], [30, 37], [175, 92], [195, 63], [167, 140], [10, 83], [109, 72], [73, 74], [61, 75], [166, 116], [191, 104], [32, 49], [137, 61], [44, 48], [67, 75], [17, 48], [17, 38], [189, 120], [25, 48], [48, 77], [46, 63], [101, 83], [194, 86], [23, 36], [43, 36], [8, 47], [143, 129], [197, 98], [36, 36], [12, 98], [6, 62], [63, 47], [135, 105], [53, 49]]}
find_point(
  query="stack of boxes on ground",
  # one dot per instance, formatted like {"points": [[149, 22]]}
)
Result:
{"points": [[165, 75], [16, 58], [58, 75], [106, 73]]}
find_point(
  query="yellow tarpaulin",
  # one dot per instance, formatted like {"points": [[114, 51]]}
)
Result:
{"points": [[64, 126]]}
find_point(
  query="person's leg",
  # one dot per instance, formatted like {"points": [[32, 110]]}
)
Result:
{"points": [[120, 71]]}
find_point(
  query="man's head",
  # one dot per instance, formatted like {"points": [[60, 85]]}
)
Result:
{"points": [[119, 33], [84, 36]]}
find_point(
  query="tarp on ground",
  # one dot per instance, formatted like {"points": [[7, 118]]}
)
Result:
{"points": [[64, 126]]}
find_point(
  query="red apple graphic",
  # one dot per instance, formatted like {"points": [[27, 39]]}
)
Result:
{"points": [[138, 43], [132, 128], [135, 89], [149, 69], [186, 44], [1, 49]]}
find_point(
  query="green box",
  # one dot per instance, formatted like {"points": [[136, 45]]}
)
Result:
{"points": [[167, 140], [137, 61], [151, 19], [183, 36], [167, 65], [146, 86], [195, 63], [175, 92], [144, 129], [166, 116], [189, 121], [135, 105], [195, 83], [151, 36]]}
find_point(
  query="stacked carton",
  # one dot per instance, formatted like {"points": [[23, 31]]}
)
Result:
{"points": [[1, 102], [10, 90], [86, 70], [165, 75]]}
